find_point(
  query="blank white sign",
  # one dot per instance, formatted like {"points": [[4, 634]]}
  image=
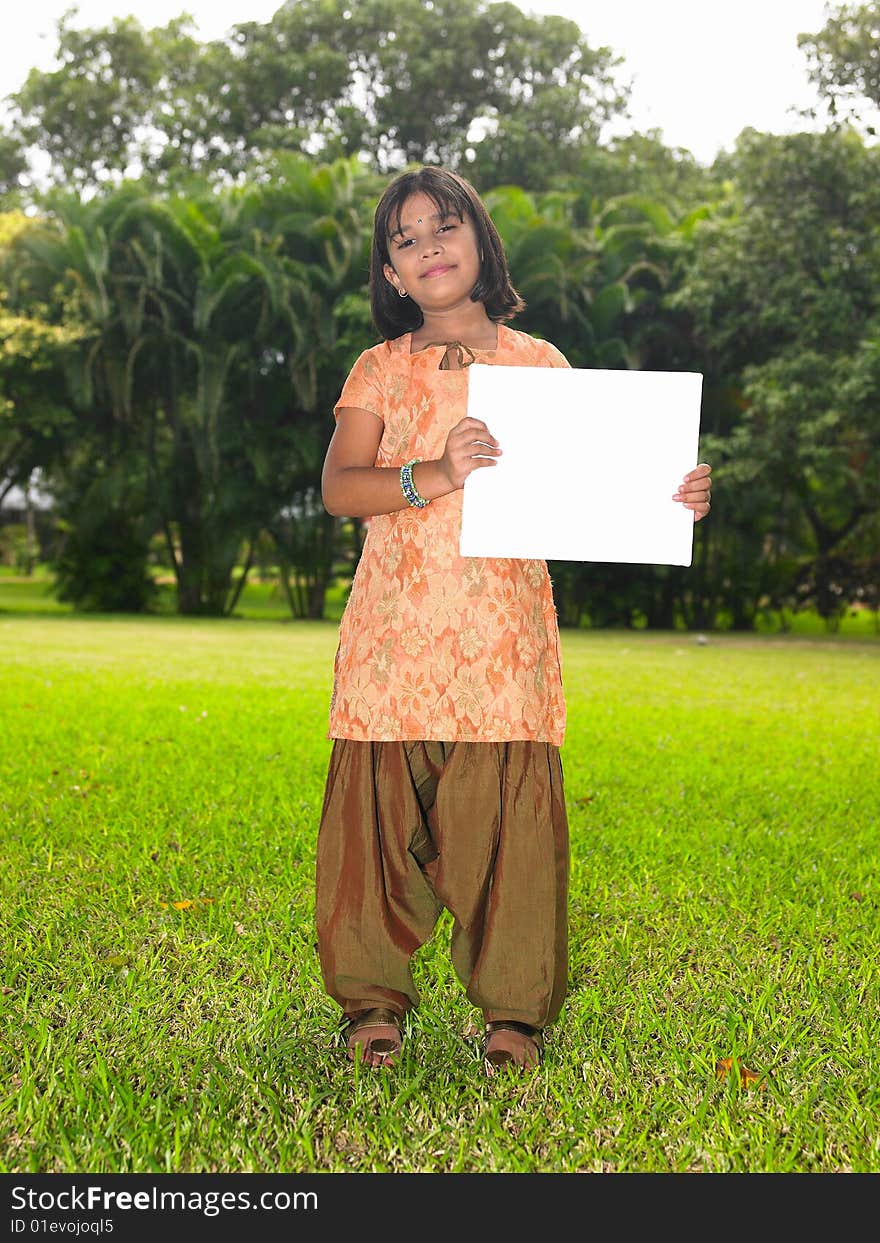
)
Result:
{"points": [[591, 459]]}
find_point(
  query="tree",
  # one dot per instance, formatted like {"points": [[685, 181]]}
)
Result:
{"points": [[105, 522], [640, 163], [35, 417], [13, 166], [782, 288], [844, 60], [115, 101], [216, 328], [450, 82]]}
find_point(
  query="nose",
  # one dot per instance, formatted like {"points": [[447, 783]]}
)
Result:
{"points": [[430, 246]]}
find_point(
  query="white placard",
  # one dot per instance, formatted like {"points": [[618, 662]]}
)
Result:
{"points": [[591, 459]]}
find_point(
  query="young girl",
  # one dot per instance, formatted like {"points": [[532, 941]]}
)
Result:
{"points": [[445, 783]]}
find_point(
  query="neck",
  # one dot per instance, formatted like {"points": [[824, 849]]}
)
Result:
{"points": [[470, 325]]}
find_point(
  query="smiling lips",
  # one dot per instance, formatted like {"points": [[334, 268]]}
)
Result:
{"points": [[439, 269]]}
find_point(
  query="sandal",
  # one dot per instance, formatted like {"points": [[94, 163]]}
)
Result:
{"points": [[504, 1046], [382, 1036]]}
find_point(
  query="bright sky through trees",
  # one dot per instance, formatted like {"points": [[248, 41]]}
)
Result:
{"points": [[702, 70]]}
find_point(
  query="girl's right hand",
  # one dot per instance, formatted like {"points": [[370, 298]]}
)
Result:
{"points": [[469, 445]]}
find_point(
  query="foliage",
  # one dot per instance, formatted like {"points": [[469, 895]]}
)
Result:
{"points": [[218, 327], [101, 566], [15, 547], [783, 294], [639, 164], [115, 89], [844, 60], [450, 82], [34, 418], [13, 166], [200, 335]]}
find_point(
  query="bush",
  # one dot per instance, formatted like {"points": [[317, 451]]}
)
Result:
{"points": [[15, 548], [102, 566]]}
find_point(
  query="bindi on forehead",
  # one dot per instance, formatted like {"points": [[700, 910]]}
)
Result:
{"points": [[402, 229], [432, 216], [437, 216]]}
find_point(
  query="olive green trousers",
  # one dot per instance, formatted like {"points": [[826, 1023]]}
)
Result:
{"points": [[479, 828]]}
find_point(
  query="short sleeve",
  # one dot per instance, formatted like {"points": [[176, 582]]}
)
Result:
{"points": [[363, 387], [552, 356]]}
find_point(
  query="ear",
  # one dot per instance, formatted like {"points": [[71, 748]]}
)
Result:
{"points": [[392, 277]]}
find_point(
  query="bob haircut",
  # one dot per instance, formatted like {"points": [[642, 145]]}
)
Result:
{"points": [[452, 196]]}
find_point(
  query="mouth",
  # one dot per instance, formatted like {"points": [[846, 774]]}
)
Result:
{"points": [[439, 269]]}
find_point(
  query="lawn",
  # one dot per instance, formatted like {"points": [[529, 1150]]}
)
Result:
{"points": [[161, 1006]]}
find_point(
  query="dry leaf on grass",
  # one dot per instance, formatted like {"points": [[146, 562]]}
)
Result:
{"points": [[747, 1078]]}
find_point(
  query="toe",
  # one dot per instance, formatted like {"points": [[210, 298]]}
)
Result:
{"points": [[378, 1046]]}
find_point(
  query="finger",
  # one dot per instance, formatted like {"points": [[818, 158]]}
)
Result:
{"points": [[699, 472], [485, 438], [690, 487], [467, 439], [480, 446], [692, 493]]}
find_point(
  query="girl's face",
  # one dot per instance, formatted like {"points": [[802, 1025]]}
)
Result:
{"points": [[434, 258]]}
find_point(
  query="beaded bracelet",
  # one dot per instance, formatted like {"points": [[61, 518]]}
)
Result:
{"points": [[408, 488]]}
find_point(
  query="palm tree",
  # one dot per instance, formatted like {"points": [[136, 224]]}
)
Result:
{"points": [[218, 328]]}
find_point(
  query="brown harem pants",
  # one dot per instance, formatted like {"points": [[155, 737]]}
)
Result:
{"points": [[479, 828]]}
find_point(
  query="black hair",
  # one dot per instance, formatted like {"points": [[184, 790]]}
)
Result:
{"points": [[453, 196]]}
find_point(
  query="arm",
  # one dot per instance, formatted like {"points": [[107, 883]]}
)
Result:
{"points": [[351, 483]]}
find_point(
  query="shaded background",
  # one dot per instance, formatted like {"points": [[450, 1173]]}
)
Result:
{"points": [[185, 235]]}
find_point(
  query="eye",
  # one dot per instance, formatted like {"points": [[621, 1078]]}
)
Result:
{"points": [[407, 241], [444, 227]]}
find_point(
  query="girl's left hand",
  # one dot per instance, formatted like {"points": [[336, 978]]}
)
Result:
{"points": [[695, 492]]}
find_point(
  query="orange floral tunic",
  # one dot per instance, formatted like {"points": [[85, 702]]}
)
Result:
{"points": [[433, 645]]}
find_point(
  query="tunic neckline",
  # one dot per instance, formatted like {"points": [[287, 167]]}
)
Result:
{"points": [[406, 345]]}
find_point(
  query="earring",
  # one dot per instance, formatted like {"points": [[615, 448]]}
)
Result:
{"points": [[401, 293]]}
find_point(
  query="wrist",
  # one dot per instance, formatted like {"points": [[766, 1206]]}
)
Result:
{"points": [[430, 479]]}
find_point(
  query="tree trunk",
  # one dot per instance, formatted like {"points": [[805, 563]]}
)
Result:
{"points": [[30, 535], [239, 586]]}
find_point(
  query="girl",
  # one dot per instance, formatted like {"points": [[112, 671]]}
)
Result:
{"points": [[445, 783]]}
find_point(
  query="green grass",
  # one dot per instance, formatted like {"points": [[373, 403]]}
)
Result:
{"points": [[723, 802]]}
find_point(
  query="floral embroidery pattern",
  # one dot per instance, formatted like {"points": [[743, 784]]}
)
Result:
{"points": [[433, 645]]}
